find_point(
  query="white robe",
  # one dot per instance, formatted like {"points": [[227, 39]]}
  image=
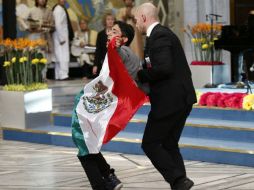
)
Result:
{"points": [[61, 52]]}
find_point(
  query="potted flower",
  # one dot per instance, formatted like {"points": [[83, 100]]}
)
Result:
{"points": [[25, 94], [202, 38]]}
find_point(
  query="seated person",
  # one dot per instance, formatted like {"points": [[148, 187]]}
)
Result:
{"points": [[82, 38]]}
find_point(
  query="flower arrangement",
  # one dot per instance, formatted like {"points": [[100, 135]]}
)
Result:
{"points": [[226, 100], [23, 64], [202, 42]]}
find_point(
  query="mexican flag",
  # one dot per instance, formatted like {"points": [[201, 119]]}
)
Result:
{"points": [[105, 105]]}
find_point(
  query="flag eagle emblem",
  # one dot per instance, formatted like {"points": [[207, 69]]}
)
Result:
{"points": [[98, 101]]}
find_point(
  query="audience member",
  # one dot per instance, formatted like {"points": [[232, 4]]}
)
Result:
{"points": [[126, 14], [101, 42], [83, 38], [61, 37]]}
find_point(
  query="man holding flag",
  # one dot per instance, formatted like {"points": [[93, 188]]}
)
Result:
{"points": [[105, 106]]}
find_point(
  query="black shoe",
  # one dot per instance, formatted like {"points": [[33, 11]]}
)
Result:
{"points": [[112, 182], [183, 184]]}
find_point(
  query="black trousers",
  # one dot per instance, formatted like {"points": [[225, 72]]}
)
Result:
{"points": [[87, 70], [160, 144], [96, 168]]}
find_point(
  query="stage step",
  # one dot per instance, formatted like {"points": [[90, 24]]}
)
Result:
{"points": [[192, 148]]}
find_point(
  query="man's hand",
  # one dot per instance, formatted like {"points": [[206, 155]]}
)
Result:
{"points": [[119, 41], [95, 69], [82, 44]]}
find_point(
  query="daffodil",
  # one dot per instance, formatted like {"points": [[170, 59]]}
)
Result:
{"points": [[194, 40], [205, 46], [7, 63], [21, 60], [43, 60], [25, 58], [13, 60], [35, 61]]}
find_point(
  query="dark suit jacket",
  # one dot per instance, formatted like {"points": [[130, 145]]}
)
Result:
{"points": [[169, 76], [101, 48]]}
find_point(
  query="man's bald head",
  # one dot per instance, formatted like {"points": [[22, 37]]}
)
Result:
{"points": [[149, 10], [145, 15]]}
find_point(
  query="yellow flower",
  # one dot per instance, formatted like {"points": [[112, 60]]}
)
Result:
{"points": [[25, 58], [13, 60], [247, 105], [194, 40], [21, 60], [43, 60], [248, 102], [35, 61], [7, 63], [204, 46], [198, 95]]}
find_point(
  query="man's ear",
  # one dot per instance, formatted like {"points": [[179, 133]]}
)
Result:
{"points": [[143, 18], [125, 39]]}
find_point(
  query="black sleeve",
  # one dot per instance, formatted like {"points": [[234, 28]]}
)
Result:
{"points": [[162, 61], [100, 50]]}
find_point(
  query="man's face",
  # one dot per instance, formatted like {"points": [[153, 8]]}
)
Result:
{"points": [[140, 19], [114, 32]]}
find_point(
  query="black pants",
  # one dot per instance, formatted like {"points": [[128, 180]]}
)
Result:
{"points": [[96, 169], [160, 143], [87, 70]]}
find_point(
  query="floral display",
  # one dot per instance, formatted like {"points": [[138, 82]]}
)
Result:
{"points": [[23, 64], [202, 43], [226, 100]]}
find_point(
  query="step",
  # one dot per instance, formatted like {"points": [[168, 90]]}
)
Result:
{"points": [[239, 131], [219, 151], [222, 113], [234, 115]]}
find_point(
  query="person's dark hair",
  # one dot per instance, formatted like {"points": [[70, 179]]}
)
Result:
{"points": [[105, 17], [127, 31], [37, 4]]}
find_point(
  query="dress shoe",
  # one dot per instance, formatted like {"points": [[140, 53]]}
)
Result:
{"points": [[183, 184], [112, 182]]}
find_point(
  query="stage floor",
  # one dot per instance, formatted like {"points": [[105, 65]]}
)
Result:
{"points": [[36, 166]]}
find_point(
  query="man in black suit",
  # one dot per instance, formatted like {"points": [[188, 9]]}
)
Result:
{"points": [[171, 96]]}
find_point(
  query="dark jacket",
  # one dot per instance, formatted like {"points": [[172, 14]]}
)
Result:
{"points": [[169, 76], [101, 48]]}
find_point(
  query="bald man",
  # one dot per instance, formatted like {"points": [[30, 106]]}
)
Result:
{"points": [[171, 95]]}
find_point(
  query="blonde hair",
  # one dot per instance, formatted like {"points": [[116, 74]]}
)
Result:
{"points": [[105, 17]]}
